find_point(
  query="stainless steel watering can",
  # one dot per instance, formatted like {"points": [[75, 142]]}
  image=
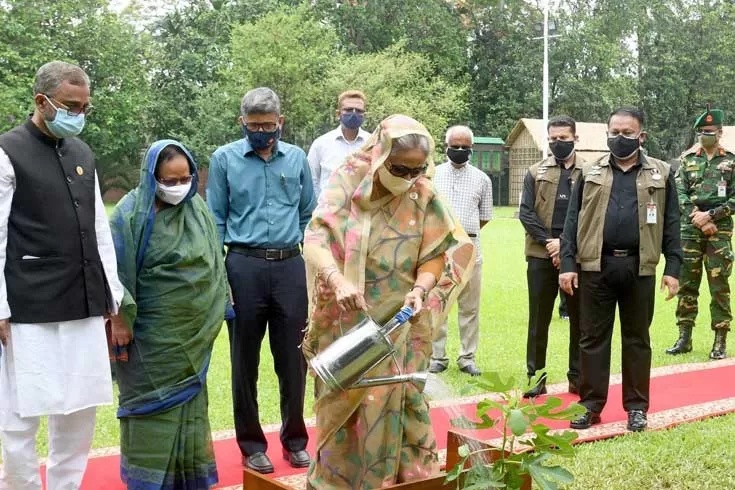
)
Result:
{"points": [[345, 362]]}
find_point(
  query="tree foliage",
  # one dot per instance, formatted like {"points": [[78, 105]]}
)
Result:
{"points": [[180, 69]]}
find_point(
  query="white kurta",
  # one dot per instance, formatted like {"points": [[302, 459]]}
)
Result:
{"points": [[54, 368]]}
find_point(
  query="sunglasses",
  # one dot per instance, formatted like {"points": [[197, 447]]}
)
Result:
{"points": [[403, 171], [175, 181]]}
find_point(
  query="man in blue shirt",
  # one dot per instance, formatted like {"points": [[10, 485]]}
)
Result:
{"points": [[261, 195]]}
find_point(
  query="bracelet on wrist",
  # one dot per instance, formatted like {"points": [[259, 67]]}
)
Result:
{"points": [[423, 289]]}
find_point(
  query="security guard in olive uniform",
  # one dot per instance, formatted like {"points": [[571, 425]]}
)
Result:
{"points": [[623, 215], [707, 200], [547, 190]]}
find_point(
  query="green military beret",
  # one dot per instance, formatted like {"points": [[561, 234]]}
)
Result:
{"points": [[710, 117]]}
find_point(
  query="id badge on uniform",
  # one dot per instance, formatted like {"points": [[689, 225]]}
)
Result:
{"points": [[651, 213], [722, 189]]}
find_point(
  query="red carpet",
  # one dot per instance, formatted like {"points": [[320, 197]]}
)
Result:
{"points": [[673, 391]]}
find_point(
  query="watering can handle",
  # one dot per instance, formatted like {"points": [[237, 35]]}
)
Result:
{"points": [[404, 315]]}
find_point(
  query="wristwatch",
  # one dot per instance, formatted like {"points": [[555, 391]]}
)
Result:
{"points": [[711, 213]]}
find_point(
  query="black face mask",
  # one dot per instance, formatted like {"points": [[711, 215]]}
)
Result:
{"points": [[622, 147], [562, 149], [459, 155]]}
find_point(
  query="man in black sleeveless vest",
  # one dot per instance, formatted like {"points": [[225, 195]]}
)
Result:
{"points": [[59, 281]]}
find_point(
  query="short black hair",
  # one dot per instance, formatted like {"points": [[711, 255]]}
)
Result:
{"points": [[168, 153], [562, 122], [631, 111]]}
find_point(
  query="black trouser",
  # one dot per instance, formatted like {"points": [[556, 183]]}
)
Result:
{"points": [[271, 293], [563, 304], [543, 285], [618, 283]]}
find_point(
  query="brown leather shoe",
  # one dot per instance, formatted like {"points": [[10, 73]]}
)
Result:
{"points": [[258, 462], [297, 459]]}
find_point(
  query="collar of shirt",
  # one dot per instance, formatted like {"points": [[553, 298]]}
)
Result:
{"points": [[641, 162], [248, 151], [455, 168], [362, 135]]}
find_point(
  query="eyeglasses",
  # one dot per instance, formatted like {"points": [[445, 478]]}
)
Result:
{"points": [[706, 133], [455, 147], [72, 111], [267, 127], [355, 110], [176, 181], [402, 170]]}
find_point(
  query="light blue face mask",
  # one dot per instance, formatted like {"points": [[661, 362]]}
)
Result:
{"points": [[64, 124]]}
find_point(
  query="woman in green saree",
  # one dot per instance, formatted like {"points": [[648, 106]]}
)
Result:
{"points": [[171, 265], [380, 238]]}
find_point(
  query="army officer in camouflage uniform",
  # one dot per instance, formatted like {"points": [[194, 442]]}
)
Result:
{"points": [[707, 199]]}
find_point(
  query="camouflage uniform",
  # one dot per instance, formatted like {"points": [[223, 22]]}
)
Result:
{"points": [[697, 184]]}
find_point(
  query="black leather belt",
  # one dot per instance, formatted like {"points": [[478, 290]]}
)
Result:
{"points": [[472, 235], [620, 253], [266, 253]]}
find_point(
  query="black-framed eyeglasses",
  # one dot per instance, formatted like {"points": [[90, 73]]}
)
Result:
{"points": [[350, 110], [72, 111], [176, 181], [403, 171], [267, 127]]}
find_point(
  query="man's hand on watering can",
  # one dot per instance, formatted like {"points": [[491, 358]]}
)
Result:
{"points": [[349, 298]]}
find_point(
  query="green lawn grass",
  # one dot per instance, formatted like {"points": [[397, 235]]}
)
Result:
{"points": [[691, 456]]}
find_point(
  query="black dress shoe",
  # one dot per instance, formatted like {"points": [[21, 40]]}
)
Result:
{"points": [[471, 369], [297, 459], [637, 420], [258, 462], [436, 367], [585, 421], [538, 390]]}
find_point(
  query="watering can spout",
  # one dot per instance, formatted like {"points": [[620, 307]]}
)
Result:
{"points": [[417, 379]]}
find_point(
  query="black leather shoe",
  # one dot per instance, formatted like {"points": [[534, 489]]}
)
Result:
{"points": [[297, 459], [471, 369], [436, 367], [719, 348], [538, 390], [683, 344], [637, 421], [258, 462], [586, 420]]}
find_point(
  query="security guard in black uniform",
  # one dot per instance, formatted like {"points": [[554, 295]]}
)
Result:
{"points": [[624, 213]]}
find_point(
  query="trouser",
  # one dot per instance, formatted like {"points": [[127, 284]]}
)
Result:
{"points": [[69, 439], [272, 294], [617, 284], [715, 253], [468, 303], [543, 285], [563, 304]]}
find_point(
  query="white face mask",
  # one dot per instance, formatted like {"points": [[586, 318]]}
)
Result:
{"points": [[395, 185], [174, 194]]}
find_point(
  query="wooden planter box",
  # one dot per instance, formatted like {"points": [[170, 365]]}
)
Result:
{"points": [[255, 481]]}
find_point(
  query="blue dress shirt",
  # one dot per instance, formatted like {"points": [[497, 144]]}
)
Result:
{"points": [[256, 203]]}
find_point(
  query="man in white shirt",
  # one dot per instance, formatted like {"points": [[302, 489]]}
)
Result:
{"points": [[59, 281], [470, 194], [329, 150]]}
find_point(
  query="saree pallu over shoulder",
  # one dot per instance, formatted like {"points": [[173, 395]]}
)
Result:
{"points": [[174, 280], [381, 435]]}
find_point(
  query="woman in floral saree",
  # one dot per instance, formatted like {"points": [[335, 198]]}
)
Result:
{"points": [[171, 265], [380, 238]]}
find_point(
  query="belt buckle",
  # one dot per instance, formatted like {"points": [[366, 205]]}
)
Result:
{"points": [[278, 254]]}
